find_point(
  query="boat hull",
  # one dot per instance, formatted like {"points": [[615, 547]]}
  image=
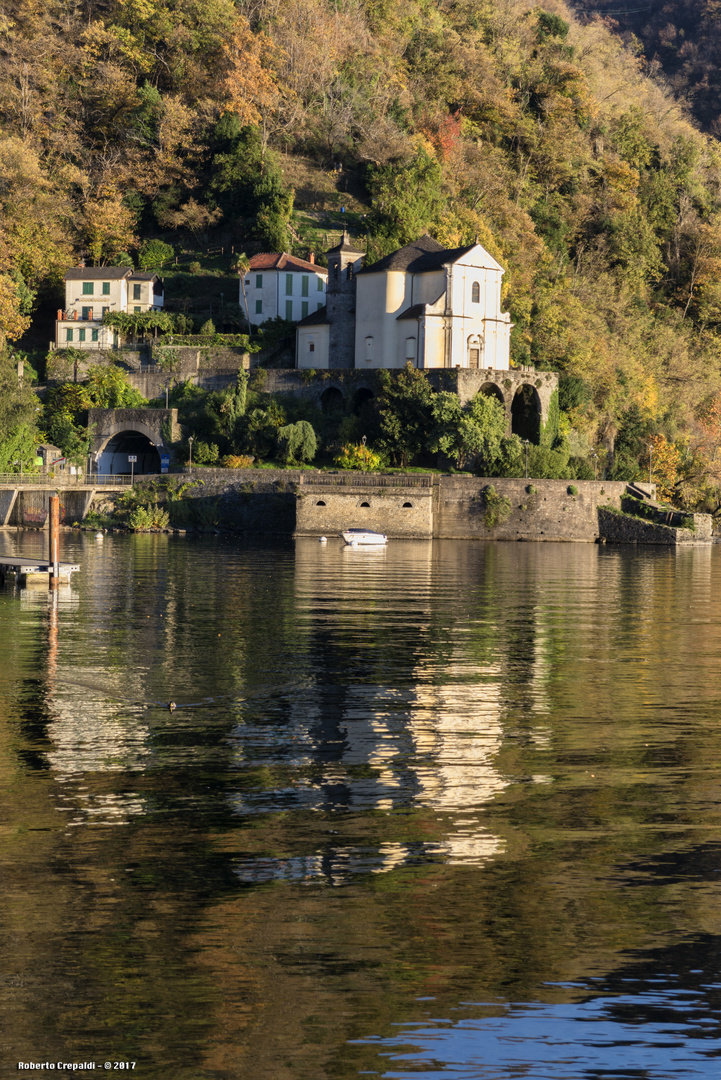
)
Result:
{"points": [[364, 538]]}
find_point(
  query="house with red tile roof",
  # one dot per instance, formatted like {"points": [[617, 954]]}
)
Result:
{"points": [[282, 286]]}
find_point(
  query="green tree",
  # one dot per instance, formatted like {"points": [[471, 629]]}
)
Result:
{"points": [[19, 410], [407, 199], [297, 442], [155, 254], [405, 414]]}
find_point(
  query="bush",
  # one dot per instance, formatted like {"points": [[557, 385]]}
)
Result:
{"points": [[155, 254], [572, 490], [296, 442], [497, 508], [194, 267], [208, 328], [357, 456], [236, 461], [148, 517], [205, 453]]}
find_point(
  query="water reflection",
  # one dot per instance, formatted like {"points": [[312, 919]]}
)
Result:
{"points": [[479, 774]]}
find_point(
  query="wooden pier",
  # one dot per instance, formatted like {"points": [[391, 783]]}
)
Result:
{"points": [[21, 568]]}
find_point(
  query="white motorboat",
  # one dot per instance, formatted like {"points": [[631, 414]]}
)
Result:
{"points": [[364, 537]]}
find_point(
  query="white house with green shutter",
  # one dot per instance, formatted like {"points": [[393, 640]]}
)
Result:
{"points": [[282, 286], [90, 291]]}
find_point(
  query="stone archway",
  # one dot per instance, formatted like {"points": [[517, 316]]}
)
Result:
{"points": [[526, 413], [331, 400], [493, 390], [361, 398]]}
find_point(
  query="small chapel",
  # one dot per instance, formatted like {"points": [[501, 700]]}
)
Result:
{"points": [[431, 306]]}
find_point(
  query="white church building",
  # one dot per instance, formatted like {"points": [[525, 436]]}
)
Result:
{"points": [[432, 306]]}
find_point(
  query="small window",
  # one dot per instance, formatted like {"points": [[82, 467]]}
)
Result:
{"points": [[289, 310], [87, 288], [475, 293], [320, 284], [304, 309], [81, 335], [318, 307], [304, 286], [106, 288], [410, 348], [258, 281], [258, 307], [311, 346], [136, 310], [320, 503], [105, 309], [136, 292], [94, 334], [369, 348], [68, 335], [288, 284]]}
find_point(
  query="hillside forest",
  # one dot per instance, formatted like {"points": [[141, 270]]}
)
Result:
{"points": [[582, 153]]}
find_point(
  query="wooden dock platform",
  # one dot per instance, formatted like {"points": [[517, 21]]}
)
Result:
{"points": [[10, 564]]}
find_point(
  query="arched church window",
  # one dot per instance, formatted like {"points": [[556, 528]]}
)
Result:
{"points": [[475, 293]]}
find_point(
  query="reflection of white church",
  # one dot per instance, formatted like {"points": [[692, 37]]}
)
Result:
{"points": [[432, 306]]}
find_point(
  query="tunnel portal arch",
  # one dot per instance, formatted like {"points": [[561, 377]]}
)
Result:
{"points": [[114, 453]]}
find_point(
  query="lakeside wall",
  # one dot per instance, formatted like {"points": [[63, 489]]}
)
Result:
{"points": [[310, 503]]}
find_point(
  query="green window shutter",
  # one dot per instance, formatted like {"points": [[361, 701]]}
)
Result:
{"points": [[259, 281], [304, 309], [288, 284], [68, 335], [289, 310], [94, 334], [106, 288], [258, 307], [304, 286], [87, 288], [319, 281], [136, 310], [318, 307], [136, 292], [81, 335], [86, 313]]}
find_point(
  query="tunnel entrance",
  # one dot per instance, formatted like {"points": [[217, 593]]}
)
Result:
{"points": [[117, 451]]}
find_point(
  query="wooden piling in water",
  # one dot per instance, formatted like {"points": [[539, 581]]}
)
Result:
{"points": [[54, 559]]}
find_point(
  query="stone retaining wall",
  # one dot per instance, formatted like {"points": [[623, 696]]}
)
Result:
{"points": [[625, 529]]}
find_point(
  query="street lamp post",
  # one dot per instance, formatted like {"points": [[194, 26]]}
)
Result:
{"points": [[526, 442], [363, 440], [595, 464], [190, 453], [650, 460]]}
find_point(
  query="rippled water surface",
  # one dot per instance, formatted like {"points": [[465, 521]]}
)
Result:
{"points": [[441, 810]]}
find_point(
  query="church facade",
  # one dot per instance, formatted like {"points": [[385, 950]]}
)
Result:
{"points": [[425, 304]]}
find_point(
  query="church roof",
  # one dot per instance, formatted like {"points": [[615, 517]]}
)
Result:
{"points": [[423, 256]]}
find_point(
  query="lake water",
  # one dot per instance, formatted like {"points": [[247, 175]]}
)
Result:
{"points": [[445, 810]]}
